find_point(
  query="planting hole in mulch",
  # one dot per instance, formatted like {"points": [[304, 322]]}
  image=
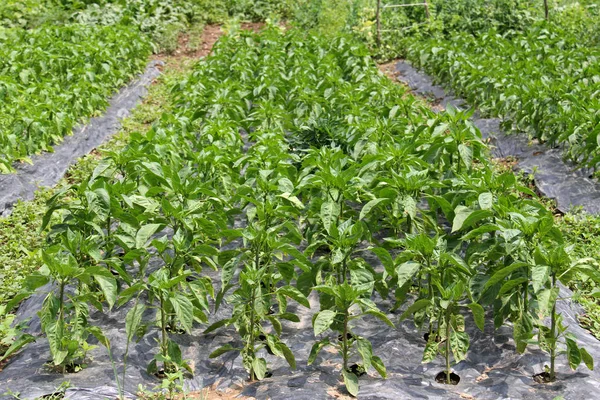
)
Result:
{"points": [[357, 370], [426, 337], [71, 368], [441, 378], [543, 377], [349, 336], [263, 338]]}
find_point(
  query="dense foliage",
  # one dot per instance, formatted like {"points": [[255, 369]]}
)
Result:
{"points": [[53, 77], [288, 158], [504, 57]]}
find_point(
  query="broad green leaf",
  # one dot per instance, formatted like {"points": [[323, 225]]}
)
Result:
{"points": [[259, 366], [381, 316], [323, 321], [379, 366], [184, 310], [109, 289], [17, 345], [499, 275], [478, 315], [546, 299], [406, 271], [365, 349], [288, 355], [351, 382], [573, 353], [430, 352], [330, 211], [466, 217], [133, 319], [222, 350], [486, 200], [466, 154], [295, 294], [459, 342], [315, 349], [144, 234], [539, 276], [369, 206], [586, 358], [416, 306]]}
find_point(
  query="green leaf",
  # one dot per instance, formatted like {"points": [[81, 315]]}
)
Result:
{"points": [[184, 310], [416, 306], [379, 366], [365, 349], [466, 154], [323, 321], [369, 206], [486, 200], [587, 358], [144, 234], [406, 271], [466, 217], [109, 289], [98, 334], [289, 356], [430, 352], [459, 342], [546, 299], [502, 273], [222, 350], [133, 320], [293, 199], [539, 276], [351, 382], [381, 316], [17, 345], [478, 315], [259, 366], [295, 294], [330, 211], [385, 258], [315, 349], [573, 353]]}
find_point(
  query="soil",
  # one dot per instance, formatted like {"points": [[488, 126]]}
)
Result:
{"points": [[441, 378]]}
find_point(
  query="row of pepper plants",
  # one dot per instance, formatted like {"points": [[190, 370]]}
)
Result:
{"points": [[288, 158], [53, 77], [542, 81]]}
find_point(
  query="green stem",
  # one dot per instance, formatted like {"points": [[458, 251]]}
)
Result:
{"points": [[251, 339], [553, 334], [61, 318], [345, 342], [163, 324], [448, 345]]}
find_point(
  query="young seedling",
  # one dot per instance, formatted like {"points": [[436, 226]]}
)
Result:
{"points": [[554, 265], [350, 303]]}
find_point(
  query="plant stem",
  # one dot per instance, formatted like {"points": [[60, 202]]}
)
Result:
{"points": [[163, 325], [251, 339], [553, 334], [345, 342], [448, 345], [61, 318]]}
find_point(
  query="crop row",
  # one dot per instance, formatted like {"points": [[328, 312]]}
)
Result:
{"points": [[289, 156], [53, 77], [544, 81]]}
